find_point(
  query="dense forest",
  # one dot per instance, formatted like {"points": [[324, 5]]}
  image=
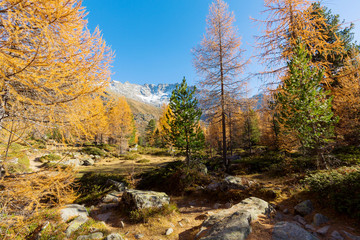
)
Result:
{"points": [[65, 138]]}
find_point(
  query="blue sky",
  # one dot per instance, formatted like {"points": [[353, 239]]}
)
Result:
{"points": [[152, 39]]}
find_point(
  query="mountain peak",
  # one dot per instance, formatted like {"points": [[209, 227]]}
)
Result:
{"points": [[148, 93]]}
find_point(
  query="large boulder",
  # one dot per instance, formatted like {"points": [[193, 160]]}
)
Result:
{"points": [[291, 231], [138, 199], [234, 223], [75, 225], [73, 210]]}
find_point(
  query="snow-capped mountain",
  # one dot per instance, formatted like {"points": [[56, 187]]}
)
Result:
{"points": [[148, 93]]}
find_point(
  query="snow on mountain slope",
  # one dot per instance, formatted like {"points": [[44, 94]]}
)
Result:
{"points": [[148, 93]]}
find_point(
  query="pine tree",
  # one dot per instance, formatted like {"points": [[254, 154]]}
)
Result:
{"points": [[305, 106], [251, 133], [149, 131], [185, 132]]}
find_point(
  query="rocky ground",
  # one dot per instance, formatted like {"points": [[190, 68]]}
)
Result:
{"points": [[199, 217]]}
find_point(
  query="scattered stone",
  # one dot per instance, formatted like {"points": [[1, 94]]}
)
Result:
{"points": [[234, 223], [352, 237], [304, 208], [73, 210], [180, 224], [287, 231], [122, 224], [112, 197], [72, 162], [279, 217], [75, 224], [232, 182], [228, 205], [139, 236], [169, 231], [216, 205], [214, 186], [97, 235], [138, 199], [121, 186], [88, 162], [104, 216], [299, 219], [319, 219], [107, 206], [286, 211], [335, 235], [310, 227], [323, 230], [114, 236], [202, 168]]}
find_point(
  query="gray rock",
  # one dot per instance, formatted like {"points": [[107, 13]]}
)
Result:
{"points": [[139, 236], [319, 219], [228, 205], [73, 210], [121, 186], [137, 199], [75, 224], [107, 206], [114, 236], [216, 205], [104, 216], [286, 211], [299, 219], [112, 197], [97, 235], [234, 223], [310, 227], [279, 217], [88, 162], [71, 162], [290, 231], [352, 237], [214, 186], [323, 230], [335, 235], [304, 208], [169, 231], [232, 182]]}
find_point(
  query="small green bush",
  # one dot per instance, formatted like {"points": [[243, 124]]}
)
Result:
{"points": [[340, 188], [93, 186], [154, 151], [93, 151], [173, 178], [143, 161], [143, 215], [131, 156], [49, 158]]}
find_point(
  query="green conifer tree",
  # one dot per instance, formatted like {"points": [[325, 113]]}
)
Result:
{"points": [[185, 132], [305, 106]]}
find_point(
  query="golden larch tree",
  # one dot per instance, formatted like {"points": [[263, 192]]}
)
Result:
{"points": [[218, 60]]}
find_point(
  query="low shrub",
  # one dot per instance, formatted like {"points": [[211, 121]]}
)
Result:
{"points": [[143, 161], [93, 151], [49, 158], [174, 178], [143, 215], [340, 188], [91, 187], [155, 151], [131, 156]]}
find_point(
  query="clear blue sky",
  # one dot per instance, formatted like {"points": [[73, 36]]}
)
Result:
{"points": [[152, 39]]}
